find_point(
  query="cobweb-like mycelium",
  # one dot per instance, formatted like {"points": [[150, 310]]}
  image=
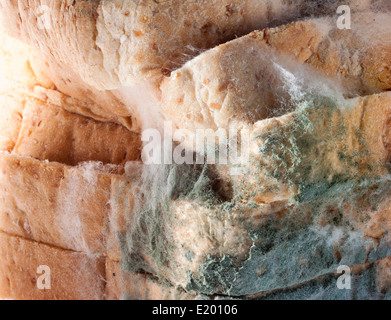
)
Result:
{"points": [[313, 196]]}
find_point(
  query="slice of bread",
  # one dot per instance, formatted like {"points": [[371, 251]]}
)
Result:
{"points": [[23, 68], [77, 208], [312, 176], [35, 271], [34, 125], [313, 195], [26, 265]]}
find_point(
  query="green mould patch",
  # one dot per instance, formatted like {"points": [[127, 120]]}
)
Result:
{"points": [[301, 153], [363, 287], [215, 276], [296, 258], [189, 255], [310, 241], [300, 258], [322, 190], [148, 234], [341, 187], [307, 239]]}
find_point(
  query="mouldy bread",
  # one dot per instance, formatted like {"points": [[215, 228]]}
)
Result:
{"points": [[259, 76], [121, 213], [369, 281], [325, 141], [72, 208], [261, 248], [74, 275], [314, 196], [116, 43], [359, 57], [43, 130], [319, 145]]}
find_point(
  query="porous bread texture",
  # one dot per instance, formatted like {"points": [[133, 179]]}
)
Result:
{"points": [[78, 208], [37, 125], [120, 43], [259, 76], [73, 275], [358, 57], [23, 68]]}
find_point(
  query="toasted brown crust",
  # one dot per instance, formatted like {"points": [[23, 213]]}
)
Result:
{"points": [[73, 275]]}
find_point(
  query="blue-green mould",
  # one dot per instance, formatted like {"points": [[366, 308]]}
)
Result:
{"points": [[311, 236]]}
